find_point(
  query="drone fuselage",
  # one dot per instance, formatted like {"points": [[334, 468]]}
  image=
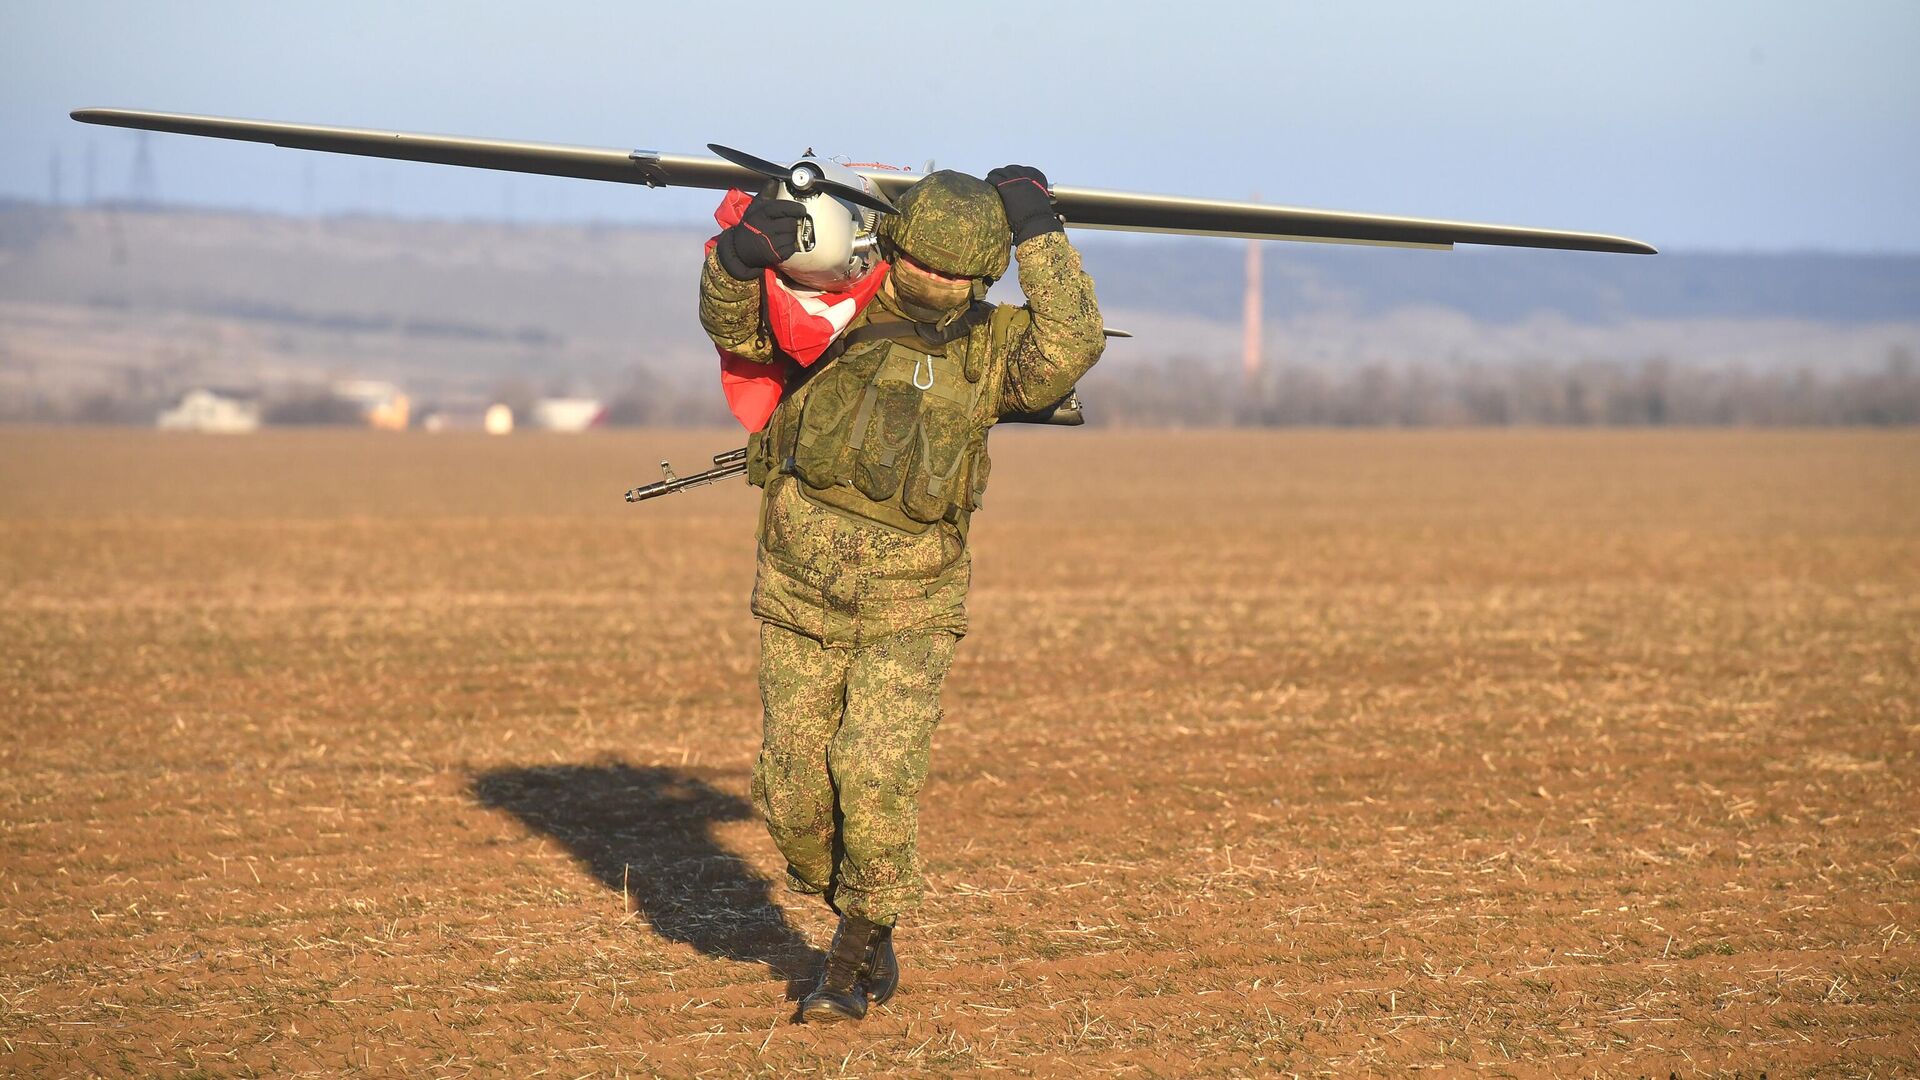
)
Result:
{"points": [[837, 241]]}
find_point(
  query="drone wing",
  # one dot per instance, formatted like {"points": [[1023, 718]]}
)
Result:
{"points": [[1091, 209], [548, 159], [1081, 207]]}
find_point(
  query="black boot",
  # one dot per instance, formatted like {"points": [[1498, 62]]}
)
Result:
{"points": [[842, 993], [883, 970]]}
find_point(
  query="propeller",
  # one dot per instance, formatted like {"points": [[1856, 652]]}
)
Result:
{"points": [[804, 178]]}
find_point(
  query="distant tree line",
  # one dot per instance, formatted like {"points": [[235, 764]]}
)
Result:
{"points": [[1649, 392], [1193, 393]]}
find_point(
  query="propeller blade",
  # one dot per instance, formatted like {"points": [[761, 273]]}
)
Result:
{"points": [[748, 161], [857, 196]]}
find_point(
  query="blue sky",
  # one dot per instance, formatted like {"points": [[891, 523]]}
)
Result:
{"points": [[1695, 125]]}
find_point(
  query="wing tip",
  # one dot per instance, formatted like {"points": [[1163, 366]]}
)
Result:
{"points": [[112, 117], [1624, 245]]}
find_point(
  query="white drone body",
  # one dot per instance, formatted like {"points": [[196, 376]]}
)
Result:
{"points": [[837, 237], [837, 241]]}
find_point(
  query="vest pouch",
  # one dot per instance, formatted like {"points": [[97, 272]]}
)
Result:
{"points": [[759, 457], [935, 481], [977, 471], [835, 399], [882, 442]]}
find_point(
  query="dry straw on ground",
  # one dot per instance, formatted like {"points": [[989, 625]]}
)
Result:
{"points": [[1543, 754]]}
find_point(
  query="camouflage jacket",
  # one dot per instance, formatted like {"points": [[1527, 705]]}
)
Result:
{"points": [[844, 581]]}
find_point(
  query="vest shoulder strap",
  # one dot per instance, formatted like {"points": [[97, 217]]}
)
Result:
{"points": [[911, 333]]}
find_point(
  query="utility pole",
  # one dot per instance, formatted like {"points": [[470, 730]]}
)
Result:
{"points": [[1250, 317]]}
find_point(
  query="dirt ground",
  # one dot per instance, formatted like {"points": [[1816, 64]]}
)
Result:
{"points": [[1325, 753]]}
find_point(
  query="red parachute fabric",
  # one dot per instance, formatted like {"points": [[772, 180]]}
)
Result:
{"points": [[804, 322]]}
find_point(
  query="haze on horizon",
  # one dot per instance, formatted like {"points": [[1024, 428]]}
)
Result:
{"points": [[1759, 126]]}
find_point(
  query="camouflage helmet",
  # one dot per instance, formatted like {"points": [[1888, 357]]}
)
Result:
{"points": [[953, 223]]}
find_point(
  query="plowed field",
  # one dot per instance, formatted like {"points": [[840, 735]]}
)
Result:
{"points": [[1325, 753]]}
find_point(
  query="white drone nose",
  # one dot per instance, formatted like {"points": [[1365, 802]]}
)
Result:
{"points": [[802, 178]]}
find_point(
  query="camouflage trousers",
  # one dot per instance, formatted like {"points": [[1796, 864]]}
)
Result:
{"points": [[843, 757]]}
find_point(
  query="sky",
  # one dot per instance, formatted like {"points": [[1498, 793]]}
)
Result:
{"points": [[1692, 124]]}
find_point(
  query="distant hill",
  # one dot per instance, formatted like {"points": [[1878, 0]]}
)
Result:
{"points": [[1202, 277], [1181, 276], [134, 303]]}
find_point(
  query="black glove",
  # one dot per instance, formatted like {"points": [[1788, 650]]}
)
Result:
{"points": [[1023, 189], [768, 235]]}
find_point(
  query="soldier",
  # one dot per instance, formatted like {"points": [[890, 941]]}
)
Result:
{"points": [[871, 465]]}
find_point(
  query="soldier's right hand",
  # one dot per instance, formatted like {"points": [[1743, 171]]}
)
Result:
{"points": [[768, 235]]}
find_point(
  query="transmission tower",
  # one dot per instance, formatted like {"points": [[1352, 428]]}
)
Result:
{"points": [[143, 189]]}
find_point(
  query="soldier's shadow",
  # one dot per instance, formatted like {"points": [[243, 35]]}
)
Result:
{"points": [[647, 831]]}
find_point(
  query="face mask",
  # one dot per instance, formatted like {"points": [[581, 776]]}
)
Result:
{"points": [[922, 290]]}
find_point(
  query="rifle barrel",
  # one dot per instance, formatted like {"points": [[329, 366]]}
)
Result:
{"points": [[731, 463]]}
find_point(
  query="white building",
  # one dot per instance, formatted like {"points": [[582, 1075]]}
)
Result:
{"points": [[568, 414], [222, 411]]}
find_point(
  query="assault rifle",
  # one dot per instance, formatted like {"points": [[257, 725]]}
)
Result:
{"points": [[1063, 413]]}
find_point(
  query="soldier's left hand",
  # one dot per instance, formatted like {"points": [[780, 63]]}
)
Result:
{"points": [[1023, 190]]}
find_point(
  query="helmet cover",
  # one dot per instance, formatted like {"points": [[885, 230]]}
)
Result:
{"points": [[953, 223]]}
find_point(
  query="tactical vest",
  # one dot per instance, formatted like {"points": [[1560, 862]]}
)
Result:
{"points": [[893, 429]]}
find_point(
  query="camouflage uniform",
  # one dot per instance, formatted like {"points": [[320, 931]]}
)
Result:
{"points": [[861, 603]]}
